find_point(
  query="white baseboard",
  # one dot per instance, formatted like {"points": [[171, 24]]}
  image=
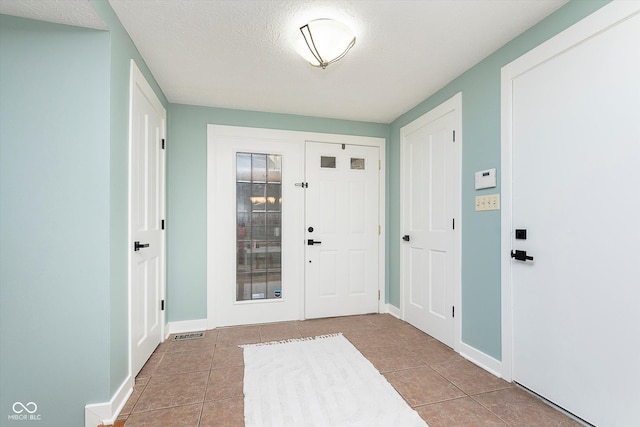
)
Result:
{"points": [[186, 326], [481, 359], [106, 413], [394, 311]]}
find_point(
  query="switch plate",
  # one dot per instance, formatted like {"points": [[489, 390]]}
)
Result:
{"points": [[490, 202]]}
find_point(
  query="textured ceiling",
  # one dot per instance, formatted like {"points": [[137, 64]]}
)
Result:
{"points": [[242, 53], [70, 12]]}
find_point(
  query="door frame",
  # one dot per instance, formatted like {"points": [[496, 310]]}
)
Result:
{"points": [[452, 104], [136, 78], [593, 24], [214, 130]]}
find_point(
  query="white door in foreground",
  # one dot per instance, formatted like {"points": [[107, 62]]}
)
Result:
{"points": [[147, 251], [430, 209], [575, 232], [341, 268]]}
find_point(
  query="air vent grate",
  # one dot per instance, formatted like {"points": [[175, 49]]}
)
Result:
{"points": [[192, 336]]}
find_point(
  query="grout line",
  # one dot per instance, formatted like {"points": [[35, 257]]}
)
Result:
{"points": [[483, 406], [439, 401]]}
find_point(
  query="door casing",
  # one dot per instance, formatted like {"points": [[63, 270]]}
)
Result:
{"points": [[301, 137]]}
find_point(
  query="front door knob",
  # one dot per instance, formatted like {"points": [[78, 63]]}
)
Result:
{"points": [[521, 256], [137, 246]]}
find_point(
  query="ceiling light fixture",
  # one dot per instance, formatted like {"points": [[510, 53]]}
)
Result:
{"points": [[328, 41]]}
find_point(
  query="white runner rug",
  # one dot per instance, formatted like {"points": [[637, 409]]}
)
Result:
{"points": [[321, 382]]}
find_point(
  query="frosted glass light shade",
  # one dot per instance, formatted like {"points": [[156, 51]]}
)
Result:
{"points": [[328, 41]]}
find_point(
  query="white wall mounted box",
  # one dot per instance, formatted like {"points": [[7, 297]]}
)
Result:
{"points": [[486, 179]]}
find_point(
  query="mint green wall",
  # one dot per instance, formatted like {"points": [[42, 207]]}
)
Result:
{"points": [[187, 191], [64, 134], [480, 87], [63, 185], [122, 51], [54, 219]]}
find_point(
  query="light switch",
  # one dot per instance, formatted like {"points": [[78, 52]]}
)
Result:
{"points": [[490, 202]]}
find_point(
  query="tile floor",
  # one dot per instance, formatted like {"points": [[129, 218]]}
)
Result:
{"points": [[199, 382]]}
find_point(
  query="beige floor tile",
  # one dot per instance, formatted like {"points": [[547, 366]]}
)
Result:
{"points": [[172, 386], [138, 388], [183, 416], [223, 413], [458, 412], [420, 386], [386, 321], [370, 338], [150, 367], [226, 356], [519, 409], [470, 378], [279, 332], [174, 390], [181, 362], [225, 383], [239, 335], [355, 323], [434, 352], [409, 335], [392, 358], [317, 327]]}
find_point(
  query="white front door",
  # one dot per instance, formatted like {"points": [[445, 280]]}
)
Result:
{"points": [[256, 219], [147, 204], [342, 229], [430, 250], [574, 228]]}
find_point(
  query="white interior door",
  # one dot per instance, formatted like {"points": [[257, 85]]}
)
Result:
{"points": [[430, 220], [147, 204], [575, 176], [256, 218], [342, 229]]}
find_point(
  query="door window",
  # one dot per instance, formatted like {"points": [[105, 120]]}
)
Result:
{"points": [[259, 225]]}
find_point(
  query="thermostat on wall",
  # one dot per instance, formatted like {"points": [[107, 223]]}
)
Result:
{"points": [[486, 179]]}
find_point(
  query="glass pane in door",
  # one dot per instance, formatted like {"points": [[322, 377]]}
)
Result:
{"points": [[259, 225]]}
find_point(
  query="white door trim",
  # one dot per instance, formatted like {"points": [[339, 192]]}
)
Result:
{"points": [[452, 104], [301, 136], [593, 24], [137, 79]]}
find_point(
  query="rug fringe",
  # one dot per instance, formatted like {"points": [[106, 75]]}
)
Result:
{"points": [[319, 337]]}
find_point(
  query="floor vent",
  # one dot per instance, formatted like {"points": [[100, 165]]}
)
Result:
{"points": [[192, 336]]}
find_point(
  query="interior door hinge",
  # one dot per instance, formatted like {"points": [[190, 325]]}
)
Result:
{"points": [[453, 223], [379, 230], [163, 143], [162, 224], [379, 164], [378, 294], [162, 305], [454, 136], [453, 311]]}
